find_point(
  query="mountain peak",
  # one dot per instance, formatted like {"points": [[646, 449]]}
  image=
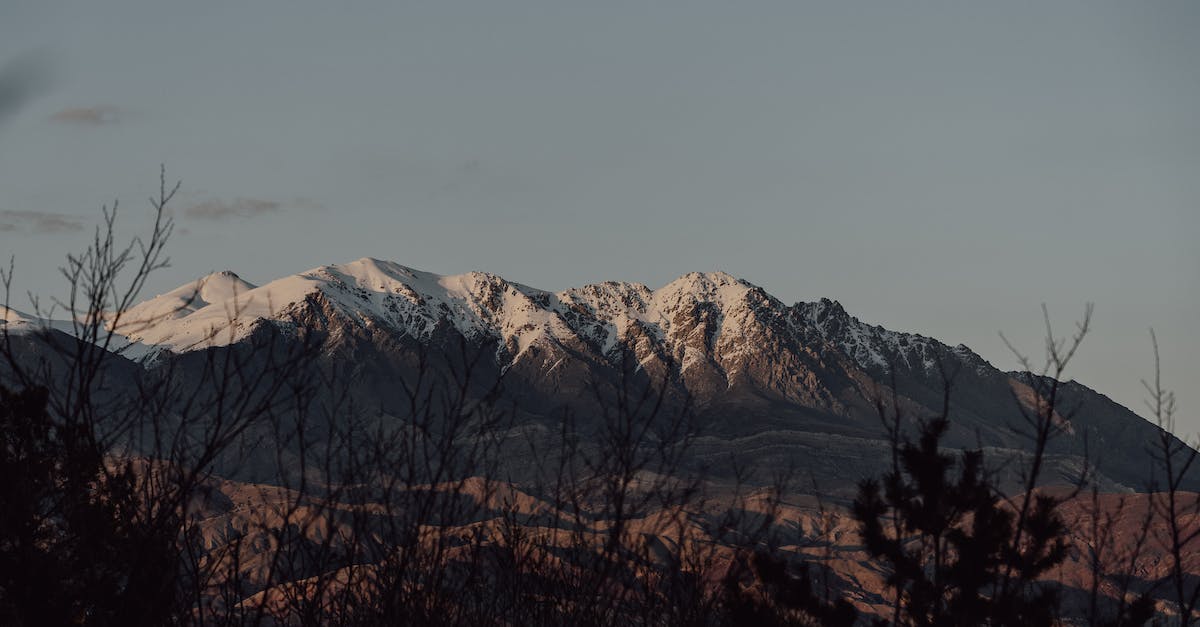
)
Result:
{"points": [[832, 305], [188, 298], [219, 286], [706, 285], [718, 279]]}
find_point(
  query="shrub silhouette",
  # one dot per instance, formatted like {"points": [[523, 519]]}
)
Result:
{"points": [[956, 543], [780, 595], [74, 546]]}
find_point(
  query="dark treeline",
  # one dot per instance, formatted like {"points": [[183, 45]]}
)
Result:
{"points": [[118, 504]]}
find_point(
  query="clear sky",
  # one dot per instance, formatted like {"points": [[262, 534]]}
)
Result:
{"points": [[943, 168]]}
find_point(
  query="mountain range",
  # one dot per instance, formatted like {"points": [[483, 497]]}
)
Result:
{"points": [[770, 385]]}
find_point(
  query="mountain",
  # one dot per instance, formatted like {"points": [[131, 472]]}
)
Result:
{"points": [[770, 389], [772, 385]]}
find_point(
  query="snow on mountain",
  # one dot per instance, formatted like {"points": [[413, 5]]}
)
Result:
{"points": [[699, 318], [19, 322], [872, 346], [187, 299], [414, 303], [221, 308], [192, 315], [16, 322], [615, 310], [604, 313], [9, 315]]}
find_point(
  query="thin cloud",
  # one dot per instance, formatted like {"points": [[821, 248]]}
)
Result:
{"points": [[88, 116], [39, 222], [21, 80], [237, 208]]}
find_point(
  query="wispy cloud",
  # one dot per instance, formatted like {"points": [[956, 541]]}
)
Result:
{"points": [[39, 222], [88, 116], [236, 208], [21, 79]]}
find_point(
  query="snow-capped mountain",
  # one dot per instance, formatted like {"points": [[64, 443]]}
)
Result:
{"points": [[785, 385], [698, 318], [772, 389]]}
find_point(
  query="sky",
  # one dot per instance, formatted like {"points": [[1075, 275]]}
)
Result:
{"points": [[944, 168]]}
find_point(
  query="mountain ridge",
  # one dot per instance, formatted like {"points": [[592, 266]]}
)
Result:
{"points": [[774, 384], [601, 312]]}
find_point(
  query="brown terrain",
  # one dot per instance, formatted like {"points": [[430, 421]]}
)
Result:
{"points": [[242, 520]]}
